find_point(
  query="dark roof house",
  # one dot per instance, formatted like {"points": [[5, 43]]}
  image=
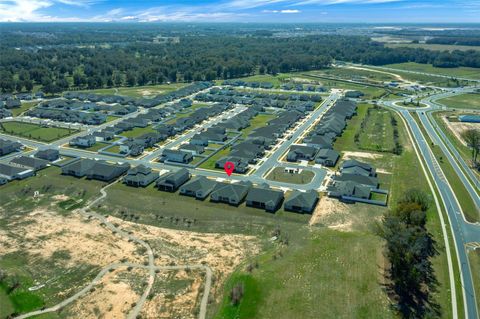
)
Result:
{"points": [[230, 193], [302, 202], [199, 187], [140, 176], [170, 182], [264, 198]]}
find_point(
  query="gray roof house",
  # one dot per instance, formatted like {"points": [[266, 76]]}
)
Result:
{"points": [[29, 162], [100, 170], [327, 157], [264, 198], [199, 187], [302, 202], [83, 141], [229, 193], [48, 154], [357, 167], [300, 152], [11, 172], [194, 149], [349, 189], [176, 156], [170, 182], [140, 176], [7, 147]]}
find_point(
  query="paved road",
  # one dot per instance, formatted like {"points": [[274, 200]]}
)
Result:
{"points": [[463, 231]]}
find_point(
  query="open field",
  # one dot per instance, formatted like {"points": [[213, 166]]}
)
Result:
{"points": [[210, 162], [35, 131], [463, 101], [278, 174], [25, 107], [138, 131], [258, 121], [433, 47], [377, 131], [474, 259], [347, 140], [356, 74], [140, 91], [428, 68]]}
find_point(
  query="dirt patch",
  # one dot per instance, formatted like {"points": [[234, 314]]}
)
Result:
{"points": [[457, 128], [221, 252], [332, 213], [113, 297], [350, 155], [44, 232], [148, 92]]}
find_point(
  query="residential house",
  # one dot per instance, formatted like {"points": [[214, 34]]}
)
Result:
{"points": [[140, 176], [29, 162], [7, 147], [327, 157], [170, 182], [264, 198], [83, 141], [300, 152], [176, 156], [194, 149], [11, 172], [199, 187], [230, 193], [302, 202], [48, 154]]}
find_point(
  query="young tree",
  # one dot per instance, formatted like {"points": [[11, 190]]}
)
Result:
{"points": [[472, 138]]}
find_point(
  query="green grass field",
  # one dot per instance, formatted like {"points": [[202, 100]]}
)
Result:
{"points": [[258, 121], [377, 133], [25, 107], [210, 162], [462, 101], [278, 174], [140, 91], [473, 73], [355, 73], [474, 259], [35, 131], [347, 140], [138, 131]]}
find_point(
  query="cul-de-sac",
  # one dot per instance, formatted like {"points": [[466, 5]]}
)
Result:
{"points": [[238, 170]]}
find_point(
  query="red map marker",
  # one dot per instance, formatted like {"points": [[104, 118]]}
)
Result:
{"points": [[229, 167]]}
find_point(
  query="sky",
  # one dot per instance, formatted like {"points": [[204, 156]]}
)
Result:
{"points": [[315, 11]]}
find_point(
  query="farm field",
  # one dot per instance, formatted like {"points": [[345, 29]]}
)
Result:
{"points": [[428, 68], [463, 101], [35, 131], [434, 47]]}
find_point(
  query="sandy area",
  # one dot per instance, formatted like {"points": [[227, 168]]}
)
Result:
{"points": [[44, 232], [329, 211], [112, 298], [457, 128], [349, 155]]}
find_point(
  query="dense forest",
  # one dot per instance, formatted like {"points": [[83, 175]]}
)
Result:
{"points": [[132, 57]]}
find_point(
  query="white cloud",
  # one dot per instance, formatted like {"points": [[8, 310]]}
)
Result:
{"points": [[282, 11]]}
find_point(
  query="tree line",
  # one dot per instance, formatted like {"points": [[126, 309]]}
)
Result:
{"points": [[197, 58], [410, 249]]}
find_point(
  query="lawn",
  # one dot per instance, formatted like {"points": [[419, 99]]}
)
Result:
{"points": [[138, 131], [25, 107], [462, 101], [35, 131], [474, 259], [278, 174], [473, 73], [370, 92], [97, 146], [210, 162], [258, 121]]}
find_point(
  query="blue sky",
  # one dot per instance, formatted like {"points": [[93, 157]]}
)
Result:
{"points": [[376, 11]]}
